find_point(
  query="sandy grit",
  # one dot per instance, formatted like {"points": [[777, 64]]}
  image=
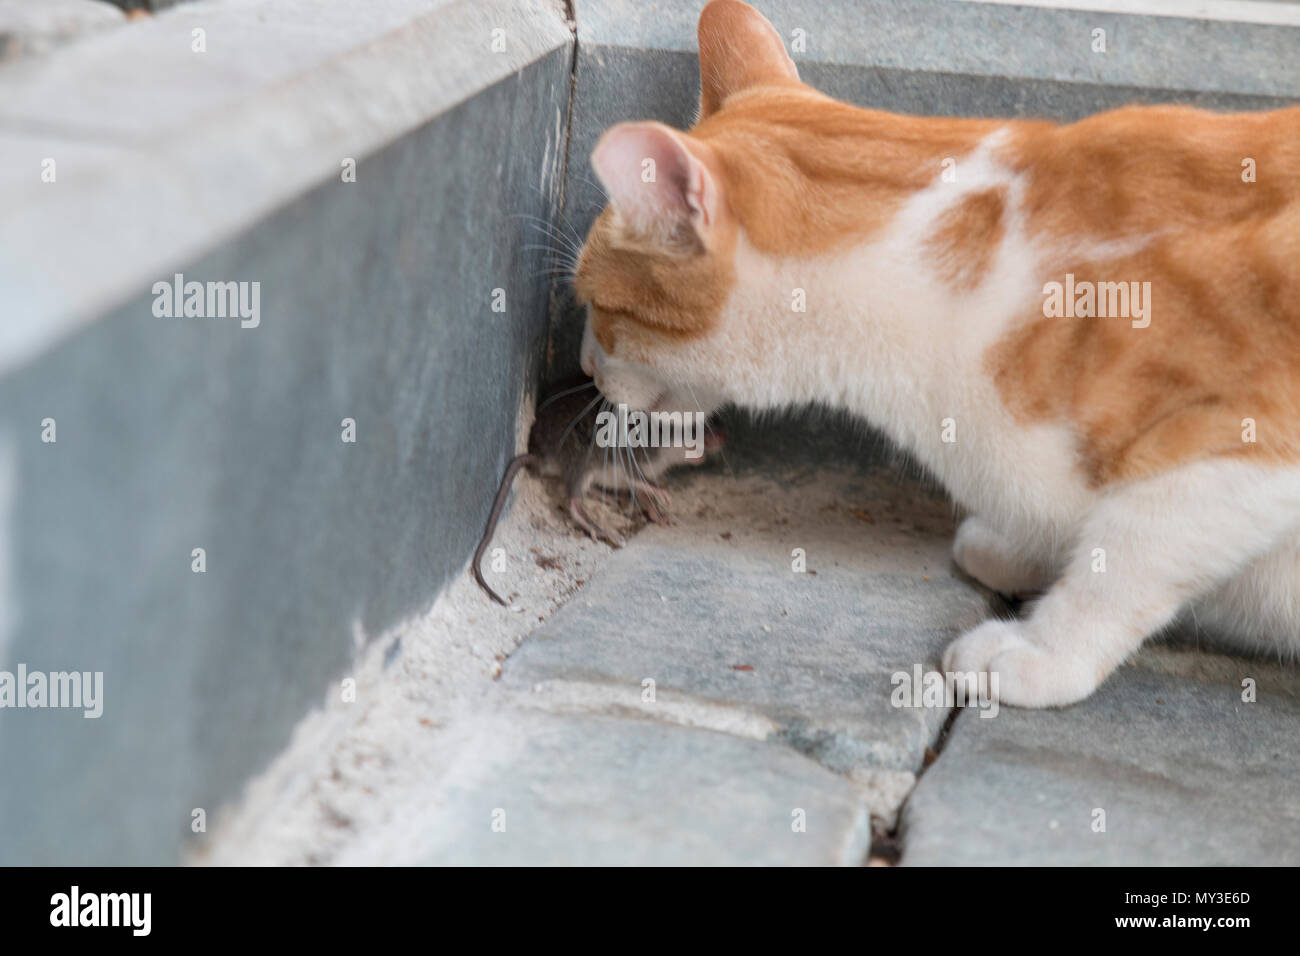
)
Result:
{"points": [[349, 765]]}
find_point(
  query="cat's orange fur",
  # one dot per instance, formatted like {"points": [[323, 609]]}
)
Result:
{"points": [[1224, 268]]}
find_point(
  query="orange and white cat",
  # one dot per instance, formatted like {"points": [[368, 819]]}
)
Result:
{"points": [[1089, 333]]}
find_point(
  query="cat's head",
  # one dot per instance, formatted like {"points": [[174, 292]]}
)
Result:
{"points": [[658, 269]]}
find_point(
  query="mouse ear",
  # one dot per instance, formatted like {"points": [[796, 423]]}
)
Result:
{"points": [[739, 49], [658, 186]]}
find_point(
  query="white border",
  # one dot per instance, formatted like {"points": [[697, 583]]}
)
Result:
{"points": [[1240, 11]]}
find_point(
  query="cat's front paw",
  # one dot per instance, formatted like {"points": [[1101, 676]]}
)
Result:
{"points": [[1021, 672]]}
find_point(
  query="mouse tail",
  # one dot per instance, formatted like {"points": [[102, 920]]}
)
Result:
{"points": [[503, 492]]}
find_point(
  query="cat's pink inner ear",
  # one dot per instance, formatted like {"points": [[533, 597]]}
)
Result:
{"points": [[654, 182], [739, 49]]}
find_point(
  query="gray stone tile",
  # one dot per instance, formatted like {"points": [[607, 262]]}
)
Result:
{"points": [[1186, 772], [604, 791], [28, 29], [725, 621]]}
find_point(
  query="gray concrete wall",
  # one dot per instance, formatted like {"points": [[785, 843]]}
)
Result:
{"points": [[182, 433]]}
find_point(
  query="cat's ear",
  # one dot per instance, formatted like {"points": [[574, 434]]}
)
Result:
{"points": [[655, 184], [739, 48]]}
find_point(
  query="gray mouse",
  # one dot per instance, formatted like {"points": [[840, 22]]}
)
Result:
{"points": [[561, 443]]}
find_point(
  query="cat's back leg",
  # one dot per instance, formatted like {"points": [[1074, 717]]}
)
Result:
{"points": [[1258, 609]]}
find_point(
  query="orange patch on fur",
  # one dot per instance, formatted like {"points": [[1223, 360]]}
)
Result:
{"points": [[1144, 169], [803, 173], [1220, 362], [967, 240], [640, 293]]}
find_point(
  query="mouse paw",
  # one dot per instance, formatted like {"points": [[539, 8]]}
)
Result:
{"points": [[595, 530], [658, 501]]}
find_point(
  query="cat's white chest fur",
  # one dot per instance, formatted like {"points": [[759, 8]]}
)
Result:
{"points": [[876, 330]]}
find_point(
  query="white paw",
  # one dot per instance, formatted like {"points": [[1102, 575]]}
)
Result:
{"points": [[1021, 672], [990, 559]]}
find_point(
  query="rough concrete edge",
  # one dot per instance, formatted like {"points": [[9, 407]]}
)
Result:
{"points": [[673, 31], [175, 191], [1268, 12]]}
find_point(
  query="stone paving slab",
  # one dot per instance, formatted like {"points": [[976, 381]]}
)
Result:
{"points": [[1186, 772], [602, 791], [28, 28], [717, 617]]}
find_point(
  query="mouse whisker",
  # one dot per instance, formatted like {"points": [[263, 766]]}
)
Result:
{"points": [[582, 414], [605, 406], [568, 391], [560, 261], [563, 221], [721, 451], [552, 225], [569, 255], [639, 471], [589, 182], [559, 275], [556, 263], [591, 445], [632, 481], [560, 240]]}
